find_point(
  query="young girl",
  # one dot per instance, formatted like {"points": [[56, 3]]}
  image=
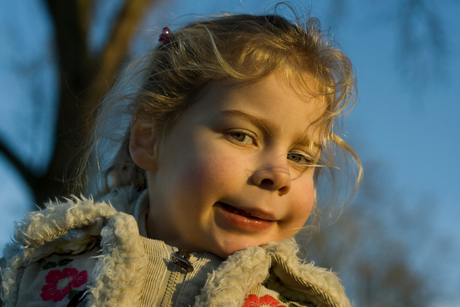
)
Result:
{"points": [[230, 130]]}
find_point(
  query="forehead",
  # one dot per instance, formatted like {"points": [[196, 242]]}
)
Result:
{"points": [[276, 102], [278, 93]]}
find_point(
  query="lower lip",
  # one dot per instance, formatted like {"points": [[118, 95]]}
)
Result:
{"points": [[243, 222]]}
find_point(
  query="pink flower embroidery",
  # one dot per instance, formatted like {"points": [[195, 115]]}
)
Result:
{"points": [[253, 301], [60, 283]]}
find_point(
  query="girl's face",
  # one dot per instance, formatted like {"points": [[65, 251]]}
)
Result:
{"points": [[234, 169]]}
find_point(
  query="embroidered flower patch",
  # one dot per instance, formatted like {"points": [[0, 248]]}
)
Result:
{"points": [[254, 301], [60, 283]]}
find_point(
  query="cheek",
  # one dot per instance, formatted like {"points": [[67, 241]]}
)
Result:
{"points": [[305, 200], [210, 170]]}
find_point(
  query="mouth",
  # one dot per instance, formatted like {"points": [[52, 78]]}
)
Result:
{"points": [[248, 221], [256, 216]]}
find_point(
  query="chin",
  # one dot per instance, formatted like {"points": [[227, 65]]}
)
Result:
{"points": [[228, 248], [224, 254]]}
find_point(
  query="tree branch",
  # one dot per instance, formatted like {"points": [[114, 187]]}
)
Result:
{"points": [[115, 52], [18, 165]]}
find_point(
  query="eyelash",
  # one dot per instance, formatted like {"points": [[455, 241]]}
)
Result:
{"points": [[245, 134], [307, 160]]}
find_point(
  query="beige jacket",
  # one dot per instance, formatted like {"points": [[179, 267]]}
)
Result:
{"points": [[87, 253]]}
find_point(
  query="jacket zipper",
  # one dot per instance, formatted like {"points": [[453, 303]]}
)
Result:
{"points": [[175, 278], [179, 271]]}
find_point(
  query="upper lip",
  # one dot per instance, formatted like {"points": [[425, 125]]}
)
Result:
{"points": [[256, 212]]}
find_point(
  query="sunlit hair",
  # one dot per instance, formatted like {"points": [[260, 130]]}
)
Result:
{"points": [[241, 48]]}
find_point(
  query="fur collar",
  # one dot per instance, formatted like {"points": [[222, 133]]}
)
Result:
{"points": [[276, 264], [83, 220]]}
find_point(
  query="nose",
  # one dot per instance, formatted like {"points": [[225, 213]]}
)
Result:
{"points": [[273, 178]]}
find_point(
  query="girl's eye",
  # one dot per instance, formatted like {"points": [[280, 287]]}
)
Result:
{"points": [[299, 159], [242, 137]]}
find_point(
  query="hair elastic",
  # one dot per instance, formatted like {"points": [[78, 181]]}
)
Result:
{"points": [[166, 35]]}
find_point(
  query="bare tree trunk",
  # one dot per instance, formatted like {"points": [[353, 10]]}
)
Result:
{"points": [[84, 79]]}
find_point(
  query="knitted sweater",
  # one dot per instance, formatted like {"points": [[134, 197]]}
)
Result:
{"points": [[86, 253]]}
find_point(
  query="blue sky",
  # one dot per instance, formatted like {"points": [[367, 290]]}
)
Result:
{"points": [[413, 129]]}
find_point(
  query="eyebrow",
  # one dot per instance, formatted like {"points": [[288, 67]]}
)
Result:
{"points": [[237, 113], [304, 141]]}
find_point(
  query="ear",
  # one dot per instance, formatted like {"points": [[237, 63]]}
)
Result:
{"points": [[143, 145]]}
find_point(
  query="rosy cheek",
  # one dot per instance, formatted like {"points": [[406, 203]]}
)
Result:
{"points": [[221, 167], [304, 205], [207, 171]]}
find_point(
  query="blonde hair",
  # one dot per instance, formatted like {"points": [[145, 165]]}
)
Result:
{"points": [[243, 48]]}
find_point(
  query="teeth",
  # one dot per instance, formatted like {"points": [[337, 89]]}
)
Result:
{"points": [[239, 211], [242, 212]]}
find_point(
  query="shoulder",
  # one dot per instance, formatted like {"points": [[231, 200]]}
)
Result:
{"points": [[273, 275], [54, 280], [64, 241], [59, 217]]}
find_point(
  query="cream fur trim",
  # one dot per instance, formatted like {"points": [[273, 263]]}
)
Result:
{"points": [[118, 276], [239, 274], [10, 275], [57, 219], [301, 280]]}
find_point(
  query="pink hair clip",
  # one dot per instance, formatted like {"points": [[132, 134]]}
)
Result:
{"points": [[166, 35]]}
